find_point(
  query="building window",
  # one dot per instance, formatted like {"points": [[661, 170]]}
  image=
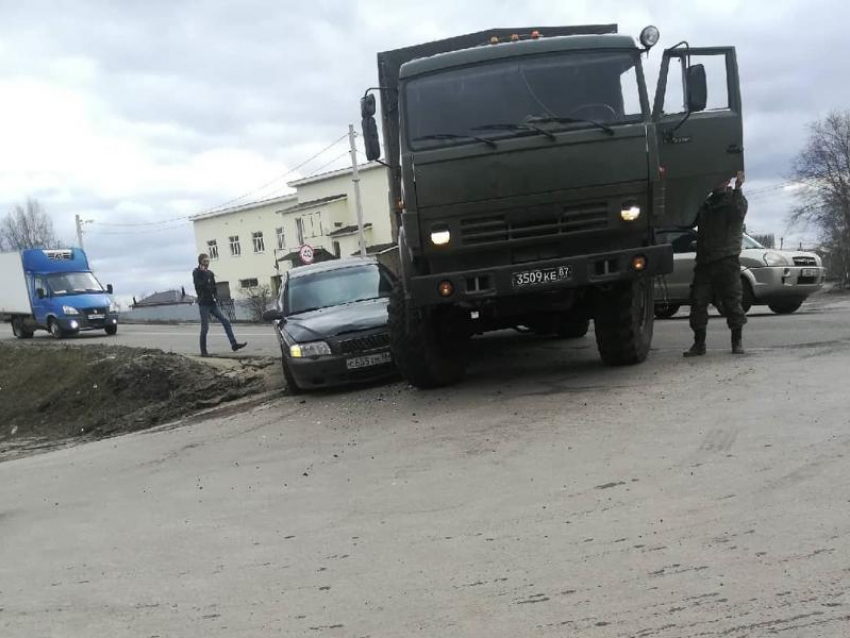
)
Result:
{"points": [[259, 243], [249, 283], [309, 226], [299, 230], [235, 248], [212, 249], [281, 239]]}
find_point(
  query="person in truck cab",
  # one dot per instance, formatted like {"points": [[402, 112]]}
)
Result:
{"points": [[717, 274], [204, 280]]}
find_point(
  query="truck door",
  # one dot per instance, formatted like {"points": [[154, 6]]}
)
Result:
{"points": [[40, 307], [697, 116]]}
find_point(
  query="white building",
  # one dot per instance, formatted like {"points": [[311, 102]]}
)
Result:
{"points": [[252, 244]]}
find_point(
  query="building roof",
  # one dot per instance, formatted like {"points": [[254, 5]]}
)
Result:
{"points": [[166, 297], [332, 174], [349, 230], [293, 197], [312, 204]]}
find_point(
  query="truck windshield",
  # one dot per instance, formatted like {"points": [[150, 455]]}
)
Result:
{"points": [[73, 283], [555, 91], [335, 288]]}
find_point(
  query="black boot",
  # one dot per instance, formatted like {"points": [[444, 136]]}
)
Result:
{"points": [[698, 349], [737, 341]]}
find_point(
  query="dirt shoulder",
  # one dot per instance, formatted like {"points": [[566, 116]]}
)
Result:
{"points": [[56, 395]]}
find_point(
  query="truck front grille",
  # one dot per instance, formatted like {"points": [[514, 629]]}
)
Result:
{"points": [[501, 228], [364, 344], [805, 261]]}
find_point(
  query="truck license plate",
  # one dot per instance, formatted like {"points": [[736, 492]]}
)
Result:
{"points": [[809, 272], [368, 360], [541, 276]]}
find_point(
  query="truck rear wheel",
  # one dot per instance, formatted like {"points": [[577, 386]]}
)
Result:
{"points": [[426, 354], [623, 318], [19, 330]]}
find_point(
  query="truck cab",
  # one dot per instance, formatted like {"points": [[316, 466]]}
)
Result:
{"points": [[531, 171], [64, 296]]}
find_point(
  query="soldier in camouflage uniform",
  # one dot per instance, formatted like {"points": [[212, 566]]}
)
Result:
{"points": [[717, 274]]}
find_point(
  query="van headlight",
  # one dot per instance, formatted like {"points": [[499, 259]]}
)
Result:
{"points": [[70, 310], [113, 307], [772, 258], [311, 349]]}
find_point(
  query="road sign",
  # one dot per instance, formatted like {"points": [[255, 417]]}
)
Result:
{"points": [[306, 254]]}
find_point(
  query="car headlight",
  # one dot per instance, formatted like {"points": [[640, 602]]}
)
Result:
{"points": [[70, 310], [772, 258], [311, 349]]}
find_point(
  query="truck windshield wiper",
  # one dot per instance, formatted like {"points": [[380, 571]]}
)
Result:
{"points": [[456, 136], [516, 127], [570, 120]]}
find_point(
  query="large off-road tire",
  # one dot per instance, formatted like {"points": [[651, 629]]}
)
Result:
{"points": [[785, 307], [423, 348], [623, 318], [665, 311], [111, 330], [19, 330]]}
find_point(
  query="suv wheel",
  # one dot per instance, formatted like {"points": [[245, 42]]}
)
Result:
{"points": [[428, 355], [624, 317], [785, 307]]}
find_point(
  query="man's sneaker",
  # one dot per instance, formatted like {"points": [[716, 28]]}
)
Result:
{"points": [[239, 346], [205, 354]]}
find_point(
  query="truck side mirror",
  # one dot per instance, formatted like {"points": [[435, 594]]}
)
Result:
{"points": [[39, 292], [370, 128], [109, 288], [697, 89], [367, 106]]}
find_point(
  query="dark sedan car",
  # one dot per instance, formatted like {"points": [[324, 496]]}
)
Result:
{"points": [[331, 321]]}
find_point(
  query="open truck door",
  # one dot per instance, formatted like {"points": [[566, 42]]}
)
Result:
{"points": [[697, 117]]}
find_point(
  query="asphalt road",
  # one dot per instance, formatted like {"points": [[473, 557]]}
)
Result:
{"points": [[545, 496]]}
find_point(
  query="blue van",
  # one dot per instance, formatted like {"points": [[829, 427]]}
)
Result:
{"points": [[54, 290]]}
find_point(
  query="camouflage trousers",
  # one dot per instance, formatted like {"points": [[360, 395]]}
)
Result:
{"points": [[719, 282]]}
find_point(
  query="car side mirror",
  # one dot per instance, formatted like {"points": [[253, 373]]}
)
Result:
{"points": [[370, 127], [109, 288], [697, 89], [272, 315], [39, 292]]}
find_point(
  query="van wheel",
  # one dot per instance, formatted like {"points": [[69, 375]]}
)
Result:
{"points": [[623, 318], [55, 329], [19, 330], [426, 351], [111, 330]]}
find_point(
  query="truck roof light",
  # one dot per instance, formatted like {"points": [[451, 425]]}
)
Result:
{"points": [[494, 40], [535, 34], [514, 37], [649, 36]]}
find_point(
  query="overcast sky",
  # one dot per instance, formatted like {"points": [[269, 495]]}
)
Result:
{"points": [[129, 112]]}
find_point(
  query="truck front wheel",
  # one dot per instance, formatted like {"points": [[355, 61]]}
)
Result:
{"points": [[623, 318], [427, 352], [55, 329], [111, 330]]}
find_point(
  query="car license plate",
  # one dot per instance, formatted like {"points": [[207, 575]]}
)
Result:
{"points": [[541, 276], [368, 360], [809, 272], [97, 316]]}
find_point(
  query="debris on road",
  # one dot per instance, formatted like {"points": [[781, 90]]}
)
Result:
{"points": [[59, 394]]}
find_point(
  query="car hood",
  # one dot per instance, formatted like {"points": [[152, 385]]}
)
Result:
{"points": [[337, 320]]}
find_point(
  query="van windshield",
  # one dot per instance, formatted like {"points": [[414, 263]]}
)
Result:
{"points": [[73, 283], [564, 90]]}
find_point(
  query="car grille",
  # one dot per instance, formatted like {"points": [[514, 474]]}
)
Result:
{"points": [[498, 228], [364, 344], [805, 261]]}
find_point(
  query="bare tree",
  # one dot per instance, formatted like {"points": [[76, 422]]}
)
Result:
{"points": [[823, 167], [28, 226], [259, 299]]}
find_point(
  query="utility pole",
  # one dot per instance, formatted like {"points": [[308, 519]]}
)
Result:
{"points": [[355, 177], [79, 230]]}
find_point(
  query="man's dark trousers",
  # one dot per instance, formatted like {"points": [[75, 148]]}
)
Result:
{"points": [[722, 278], [215, 311]]}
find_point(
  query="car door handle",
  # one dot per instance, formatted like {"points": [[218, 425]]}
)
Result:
{"points": [[734, 149]]}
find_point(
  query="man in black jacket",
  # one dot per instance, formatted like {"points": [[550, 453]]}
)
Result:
{"points": [[717, 274], [208, 304]]}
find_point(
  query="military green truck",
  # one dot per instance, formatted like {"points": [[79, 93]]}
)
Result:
{"points": [[530, 173]]}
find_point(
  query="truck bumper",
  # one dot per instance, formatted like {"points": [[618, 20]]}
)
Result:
{"points": [[587, 270], [78, 323]]}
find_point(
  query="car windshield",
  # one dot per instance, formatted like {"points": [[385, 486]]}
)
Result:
{"points": [[495, 99], [336, 287], [749, 242], [73, 283]]}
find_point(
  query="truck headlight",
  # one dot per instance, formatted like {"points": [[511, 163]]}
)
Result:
{"points": [[440, 236], [630, 212], [311, 349], [772, 258], [70, 310], [113, 307]]}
